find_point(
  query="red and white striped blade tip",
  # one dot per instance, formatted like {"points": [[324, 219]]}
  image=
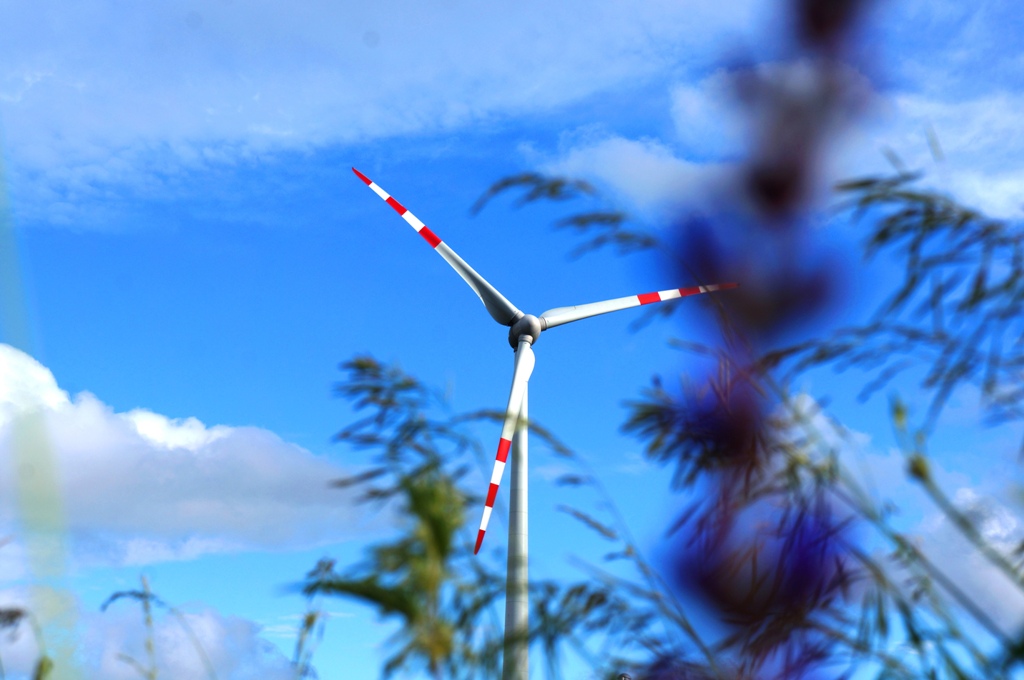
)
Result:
{"points": [[479, 540], [525, 362], [504, 445], [362, 177]]}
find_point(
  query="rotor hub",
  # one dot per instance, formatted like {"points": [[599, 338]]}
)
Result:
{"points": [[527, 326]]}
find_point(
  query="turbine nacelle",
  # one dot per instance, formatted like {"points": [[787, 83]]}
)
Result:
{"points": [[526, 327]]}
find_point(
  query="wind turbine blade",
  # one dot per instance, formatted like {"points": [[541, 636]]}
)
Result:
{"points": [[563, 315], [520, 376], [500, 309]]}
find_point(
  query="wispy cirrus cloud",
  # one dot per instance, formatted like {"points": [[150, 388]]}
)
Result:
{"points": [[98, 94]]}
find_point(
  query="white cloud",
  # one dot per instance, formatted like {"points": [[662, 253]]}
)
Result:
{"points": [[817, 427], [883, 476], [707, 122], [162, 431], [96, 93], [235, 647], [713, 116], [286, 628], [697, 168], [18, 647], [25, 385], [980, 137], [139, 487], [983, 582], [951, 48], [644, 173]]}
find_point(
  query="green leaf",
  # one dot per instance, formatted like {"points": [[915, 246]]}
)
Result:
{"points": [[44, 668]]}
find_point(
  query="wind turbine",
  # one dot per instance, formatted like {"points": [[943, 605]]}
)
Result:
{"points": [[524, 330]]}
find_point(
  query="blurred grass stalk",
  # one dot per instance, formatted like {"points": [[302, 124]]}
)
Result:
{"points": [[37, 492]]}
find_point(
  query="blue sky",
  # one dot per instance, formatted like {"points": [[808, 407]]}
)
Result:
{"points": [[195, 258]]}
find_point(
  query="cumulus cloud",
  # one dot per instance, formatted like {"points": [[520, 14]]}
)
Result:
{"points": [[234, 647], [140, 487], [25, 385]]}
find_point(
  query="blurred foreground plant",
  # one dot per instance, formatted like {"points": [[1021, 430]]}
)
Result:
{"points": [[783, 565], [146, 598], [780, 543], [776, 545], [11, 619], [427, 576], [784, 545]]}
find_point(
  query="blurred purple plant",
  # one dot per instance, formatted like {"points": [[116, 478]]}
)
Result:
{"points": [[767, 553], [754, 568], [668, 668]]}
